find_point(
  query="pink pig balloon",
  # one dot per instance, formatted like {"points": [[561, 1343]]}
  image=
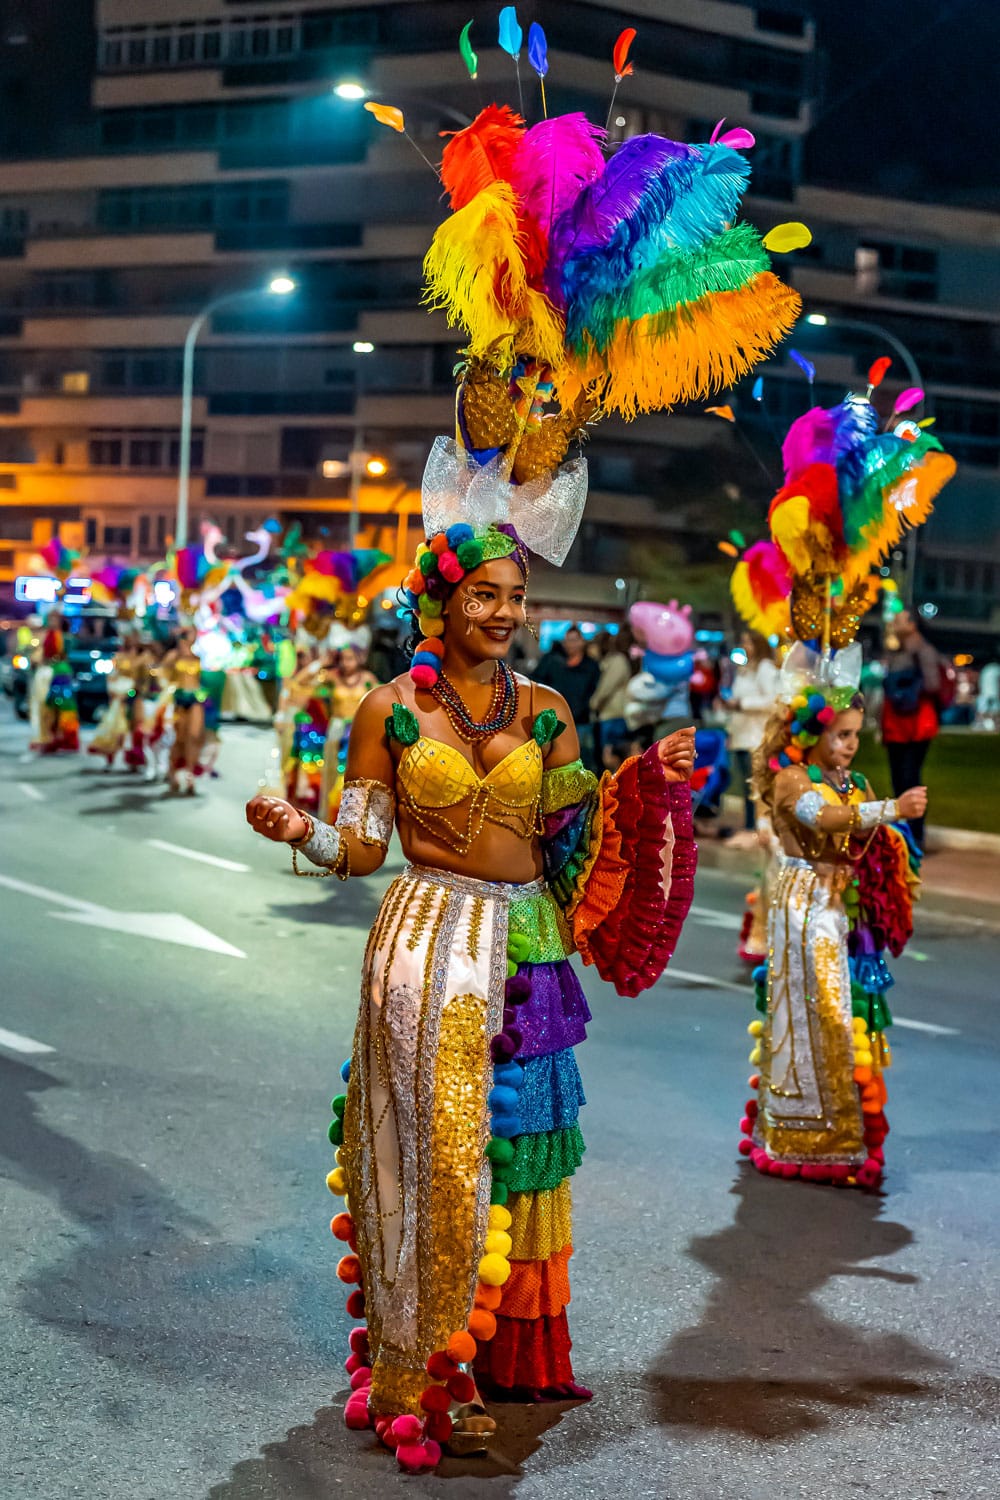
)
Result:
{"points": [[665, 628]]}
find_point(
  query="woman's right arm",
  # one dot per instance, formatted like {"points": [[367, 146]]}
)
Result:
{"points": [[357, 844]]}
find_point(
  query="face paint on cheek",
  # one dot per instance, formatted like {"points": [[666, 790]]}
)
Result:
{"points": [[473, 609]]}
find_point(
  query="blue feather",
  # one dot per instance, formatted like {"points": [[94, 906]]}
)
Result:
{"points": [[758, 389], [538, 52], [806, 366], [511, 34]]}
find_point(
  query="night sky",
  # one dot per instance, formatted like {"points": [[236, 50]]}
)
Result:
{"points": [[911, 102]]}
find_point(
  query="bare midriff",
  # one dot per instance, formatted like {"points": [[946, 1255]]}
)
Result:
{"points": [[496, 853]]}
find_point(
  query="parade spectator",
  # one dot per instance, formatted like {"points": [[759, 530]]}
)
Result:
{"points": [[607, 706], [752, 697], [910, 716], [988, 696], [570, 671]]}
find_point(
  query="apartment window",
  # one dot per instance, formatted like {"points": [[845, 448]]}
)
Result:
{"points": [[90, 531], [211, 45], [143, 533], [105, 452], [161, 50], [161, 532], [118, 536], [187, 46], [75, 382], [892, 270], [145, 453], [197, 451]]}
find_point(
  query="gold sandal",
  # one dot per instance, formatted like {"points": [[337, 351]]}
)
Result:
{"points": [[472, 1431]]}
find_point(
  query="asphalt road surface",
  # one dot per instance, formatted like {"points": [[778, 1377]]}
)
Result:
{"points": [[172, 1327]]}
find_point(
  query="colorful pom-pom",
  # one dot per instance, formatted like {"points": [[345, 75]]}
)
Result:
{"points": [[506, 1125], [500, 1218], [358, 1340], [424, 676], [356, 1415], [518, 947], [439, 543], [361, 1379], [500, 1151], [482, 1325], [438, 1426], [414, 581], [355, 1304], [499, 1193], [441, 1366], [430, 609], [498, 1242], [414, 1458], [335, 1132], [462, 1387], [518, 989], [487, 1297], [502, 1100], [746, 1125], [510, 1074], [745, 1146], [756, 1028], [337, 1181], [427, 562], [470, 554], [458, 534], [435, 1398], [462, 1346], [450, 567], [407, 1428], [432, 628], [345, 1069], [349, 1269], [494, 1270]]}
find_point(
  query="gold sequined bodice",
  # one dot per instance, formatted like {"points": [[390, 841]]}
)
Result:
{"points": [[433, 777], [186, 671]]}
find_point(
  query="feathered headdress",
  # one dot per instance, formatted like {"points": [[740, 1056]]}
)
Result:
{"points": [[850, 492], [585, 281]]}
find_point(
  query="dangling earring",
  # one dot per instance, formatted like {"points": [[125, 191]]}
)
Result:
{"points": [[469, 627], [529, 625]]}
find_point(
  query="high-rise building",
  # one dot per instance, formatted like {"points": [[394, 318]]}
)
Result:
{"points": [[217, 152]]}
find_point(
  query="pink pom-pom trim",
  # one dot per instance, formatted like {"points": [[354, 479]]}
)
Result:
{"points": [[423, 675], [745, 1146], [450, 568]]}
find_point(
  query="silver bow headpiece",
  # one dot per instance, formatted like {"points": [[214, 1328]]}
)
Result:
{"points": [[545, 512], [804, 668]]}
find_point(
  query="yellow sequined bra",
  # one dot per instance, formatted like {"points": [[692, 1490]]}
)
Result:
{"points": [[433, 778]]}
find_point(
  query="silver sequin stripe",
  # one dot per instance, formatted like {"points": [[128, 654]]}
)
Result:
{"points": [[491, 890], [368, 810], [811, 804], [323, 848]]}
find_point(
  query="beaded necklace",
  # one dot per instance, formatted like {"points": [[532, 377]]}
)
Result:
{"points": [[503, 705]]}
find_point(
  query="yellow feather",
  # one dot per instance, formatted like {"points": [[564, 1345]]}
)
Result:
{"points": [[907, 503], [474, 269], [772, 620]]}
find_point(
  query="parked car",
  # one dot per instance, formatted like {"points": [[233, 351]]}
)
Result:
{"points": [[16, 644], [91, 644]]}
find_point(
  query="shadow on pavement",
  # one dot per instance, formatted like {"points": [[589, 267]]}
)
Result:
{"points": [[767, 1360], [143, 1281], [309, 1461]]}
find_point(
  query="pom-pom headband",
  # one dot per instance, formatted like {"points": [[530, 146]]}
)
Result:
{"points": [[442, 562]]}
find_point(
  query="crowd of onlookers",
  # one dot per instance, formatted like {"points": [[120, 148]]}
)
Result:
{"points": [[911, 691]]}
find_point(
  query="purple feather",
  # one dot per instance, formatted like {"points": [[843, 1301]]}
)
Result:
{"points": [[605, 205], [555, 161], [826, 436]]}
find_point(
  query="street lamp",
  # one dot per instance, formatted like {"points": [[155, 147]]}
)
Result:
{"points": [[875, 330], [350, 90], [359, 459], [278, 286]]}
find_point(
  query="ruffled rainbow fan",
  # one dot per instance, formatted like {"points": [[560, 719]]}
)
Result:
{"points": [[850, 492], [624, 277]]}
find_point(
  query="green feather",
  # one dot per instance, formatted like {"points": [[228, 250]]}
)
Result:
{"points": [[724, 263]]}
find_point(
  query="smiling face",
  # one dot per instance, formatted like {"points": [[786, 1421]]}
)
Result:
{"points": [[838, 744], [485, 611]]}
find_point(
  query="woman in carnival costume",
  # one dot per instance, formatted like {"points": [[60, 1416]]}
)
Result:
{"points": [[351, 684], [122, 727], [842, 896], [583, 284], [181, 672], [58, 716]]}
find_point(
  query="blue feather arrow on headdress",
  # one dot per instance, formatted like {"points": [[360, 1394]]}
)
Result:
{"points": [[511, 34], [538, 52]]}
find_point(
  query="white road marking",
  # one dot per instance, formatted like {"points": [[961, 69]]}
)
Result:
{"points": [[928, 1026], [709, 982], [18, 1043], [30, 791], [710, 918], [206, 859], [162, 926]]}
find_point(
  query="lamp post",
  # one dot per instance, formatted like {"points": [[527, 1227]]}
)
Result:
{"points": [[359, 458], [278, 286], [875, 330]]}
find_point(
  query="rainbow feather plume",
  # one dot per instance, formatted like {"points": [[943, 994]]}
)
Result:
{"points": [[555, 161], [761, 585]]}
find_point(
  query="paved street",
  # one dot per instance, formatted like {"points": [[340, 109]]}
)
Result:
{"points": [[172, 1327]]}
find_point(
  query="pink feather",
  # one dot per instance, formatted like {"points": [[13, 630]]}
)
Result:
{"points": [[911, 397], [810, 440], [767, 572], [555, 160], [738, 140]]}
